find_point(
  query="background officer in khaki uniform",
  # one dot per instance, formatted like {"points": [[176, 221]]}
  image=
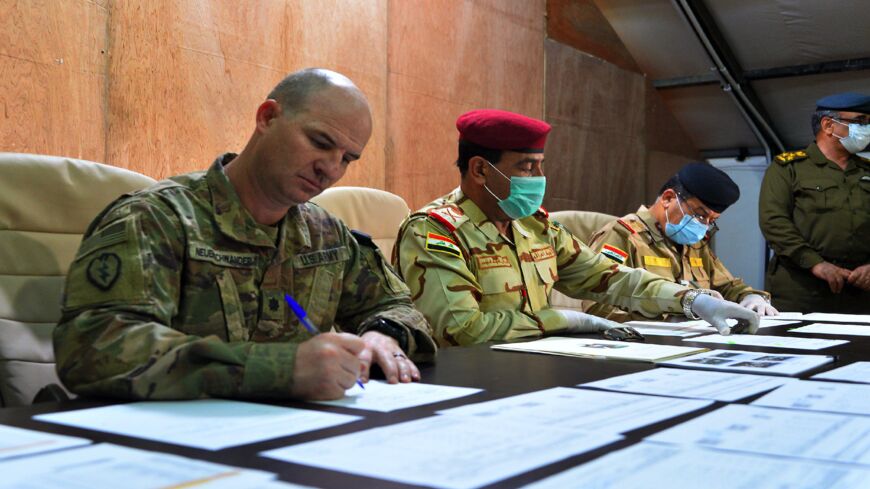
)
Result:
{"points": [[814, 211], [178, 291], [671, 239], [482, 260]]}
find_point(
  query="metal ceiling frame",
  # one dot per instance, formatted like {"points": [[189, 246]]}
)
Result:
{"points": [[840, 66], [729, 73]]}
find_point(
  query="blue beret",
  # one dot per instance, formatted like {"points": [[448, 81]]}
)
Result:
{"points": [[849, 101], [710, 185]]}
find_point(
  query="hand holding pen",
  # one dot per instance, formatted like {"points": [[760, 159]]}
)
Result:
{"points": [[300, 313]]}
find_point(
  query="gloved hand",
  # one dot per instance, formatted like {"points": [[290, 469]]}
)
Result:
{"points": [[755, 302], [580, 322], [716, 312]]}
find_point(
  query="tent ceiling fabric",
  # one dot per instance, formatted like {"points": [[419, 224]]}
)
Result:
{"points": [[762, 34]]}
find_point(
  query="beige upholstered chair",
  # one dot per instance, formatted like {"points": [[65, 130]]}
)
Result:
{"points": [[46, 203], [582, 224], [377, 213]]}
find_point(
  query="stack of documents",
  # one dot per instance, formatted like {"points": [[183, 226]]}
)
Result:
{"points": [[772, 341], [209, 424], [592, 348], [718, 386], [17, 442], [647, 465], [752, 362]]}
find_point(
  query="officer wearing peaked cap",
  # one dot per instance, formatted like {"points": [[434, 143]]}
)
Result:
{"points": [[481, 261], [814, 211], [671, 238]]}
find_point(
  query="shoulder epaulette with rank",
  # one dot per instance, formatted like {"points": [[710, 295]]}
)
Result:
{"points": [[626, 226], [450, 216], [791, 156]]}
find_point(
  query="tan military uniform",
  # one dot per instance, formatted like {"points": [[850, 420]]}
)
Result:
{"points": [[474, 284], [811, 210], [636, 241], [176, 292]]}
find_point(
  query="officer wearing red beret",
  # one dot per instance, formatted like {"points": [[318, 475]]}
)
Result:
{"points": [[481, 261]]}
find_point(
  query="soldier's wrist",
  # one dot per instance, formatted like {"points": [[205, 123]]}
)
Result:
{"points": [[688, 300]]}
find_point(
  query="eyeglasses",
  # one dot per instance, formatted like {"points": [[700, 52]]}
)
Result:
{"points": [[860, 120], [700, 214]]}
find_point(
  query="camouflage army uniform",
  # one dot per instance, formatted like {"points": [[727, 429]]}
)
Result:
{"points": [[176, 292], [636, 241], [811, 210], [474, 285]]}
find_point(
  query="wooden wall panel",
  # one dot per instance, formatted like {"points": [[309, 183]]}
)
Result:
{"points": [[596, 154], [447, 57], [52, 77], [581, 25], [187, 77]]}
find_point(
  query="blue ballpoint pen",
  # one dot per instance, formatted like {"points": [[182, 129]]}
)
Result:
{"points": [[303, 318]]}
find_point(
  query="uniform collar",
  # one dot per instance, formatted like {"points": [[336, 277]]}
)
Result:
{"points": [[479, 219], [230, 215], [816, 156]]}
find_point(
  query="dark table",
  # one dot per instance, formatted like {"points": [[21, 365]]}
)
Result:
{"points": [[501, 374]]}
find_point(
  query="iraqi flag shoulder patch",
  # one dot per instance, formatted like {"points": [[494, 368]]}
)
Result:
{"points": [[442, 244], [614, 253]]}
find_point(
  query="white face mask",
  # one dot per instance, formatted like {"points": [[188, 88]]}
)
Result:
{"points": [[858, 138]]}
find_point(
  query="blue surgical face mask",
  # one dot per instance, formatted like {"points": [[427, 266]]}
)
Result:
{"points": [[526, 196], [688, 231], [858, 138]]}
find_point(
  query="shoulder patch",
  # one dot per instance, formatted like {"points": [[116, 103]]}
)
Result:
{"points": [[614, 253], [450, 216], [790, 156], [363, 238], [442, 244], [626, 226]]}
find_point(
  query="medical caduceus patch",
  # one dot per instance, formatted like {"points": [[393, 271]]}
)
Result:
{"points": [[104, 270]]}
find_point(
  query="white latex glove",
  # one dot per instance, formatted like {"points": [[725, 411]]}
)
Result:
{"points": [[716, 312], [755, 302], [580, 322]]}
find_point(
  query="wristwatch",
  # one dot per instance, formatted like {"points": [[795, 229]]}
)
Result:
{"points": [[391, 329], [689, 299]]}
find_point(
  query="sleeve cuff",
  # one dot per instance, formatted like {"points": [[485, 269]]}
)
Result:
{"points": [[809, 259], [552, 321], [269, 370]]}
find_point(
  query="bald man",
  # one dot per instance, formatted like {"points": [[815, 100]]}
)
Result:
{"points": [[178, 290]]}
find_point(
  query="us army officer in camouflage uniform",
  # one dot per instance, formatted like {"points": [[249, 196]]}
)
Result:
{"points": [[481, 261], [815, 212], [670, 239], [178, 290]]}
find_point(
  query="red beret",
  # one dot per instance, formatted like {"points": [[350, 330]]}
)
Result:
{"points": [[499, 129]]}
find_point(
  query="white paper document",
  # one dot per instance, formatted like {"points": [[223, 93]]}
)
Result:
{"points": [[835, 329], [837, 318], [695, 327], [15, 442], [384, 397], [454, 452], [752, 362], [854, 372], [835, 397], [210, 424], [112, 466], [799, 316], [771, 341], [718, 386], [650, 465], [593, 348], [580, 410], [782, 432]]}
